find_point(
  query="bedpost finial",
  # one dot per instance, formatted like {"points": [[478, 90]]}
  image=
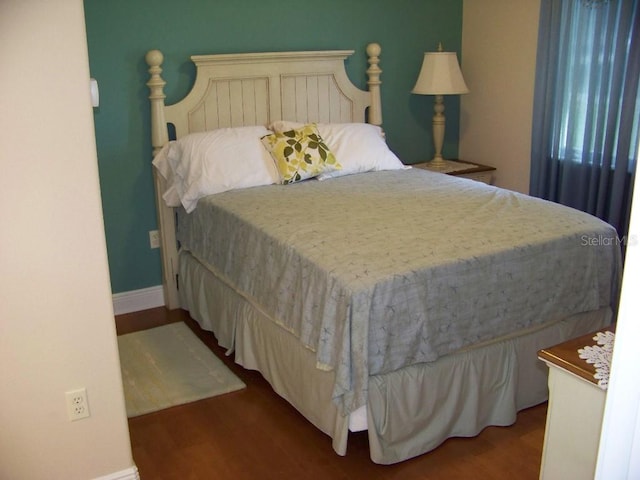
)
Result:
{"points": [[373, 72], [374, 49], [156, 96], [154, 58]]}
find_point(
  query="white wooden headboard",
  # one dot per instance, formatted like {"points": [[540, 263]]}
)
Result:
{"points": [[233, 90]]}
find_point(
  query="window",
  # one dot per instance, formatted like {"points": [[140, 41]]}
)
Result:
{"points": [[587, 106]]}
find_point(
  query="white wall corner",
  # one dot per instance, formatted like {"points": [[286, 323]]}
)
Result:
{"points": [[136, 300], [128, 474]]}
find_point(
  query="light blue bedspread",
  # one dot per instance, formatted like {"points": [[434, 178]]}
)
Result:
{"points": [[381, 270]]}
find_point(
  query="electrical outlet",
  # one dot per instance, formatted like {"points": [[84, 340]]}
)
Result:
{"points": [[154, 239], [77, 404]]}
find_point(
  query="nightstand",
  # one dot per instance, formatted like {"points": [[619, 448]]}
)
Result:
{"points": [[574, 412], [461, 168]]}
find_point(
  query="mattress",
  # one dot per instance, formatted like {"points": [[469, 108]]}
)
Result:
{"points": [[379, 271]]}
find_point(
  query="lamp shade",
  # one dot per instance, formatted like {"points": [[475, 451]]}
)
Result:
{"points": [[440, 75]]}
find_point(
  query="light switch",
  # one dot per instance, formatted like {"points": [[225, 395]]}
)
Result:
{"points": [[95, 94]]}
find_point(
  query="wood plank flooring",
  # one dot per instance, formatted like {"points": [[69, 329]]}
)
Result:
{"points": [[254, 434]]}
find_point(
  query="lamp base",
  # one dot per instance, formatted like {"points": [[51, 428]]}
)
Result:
{"points": [[438, 163]]}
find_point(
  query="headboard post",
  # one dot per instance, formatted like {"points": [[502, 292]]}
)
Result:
{"points": [[374, 71], [159, 135], [166, 215]]}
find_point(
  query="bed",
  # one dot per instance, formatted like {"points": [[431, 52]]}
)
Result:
{"points": [[370, 295]]}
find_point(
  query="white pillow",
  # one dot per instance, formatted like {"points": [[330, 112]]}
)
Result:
{"points": [[359, 147], [201, 164]]}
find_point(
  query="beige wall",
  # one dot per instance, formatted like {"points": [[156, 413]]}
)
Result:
{"points": [[57, 329], [499, 40]]}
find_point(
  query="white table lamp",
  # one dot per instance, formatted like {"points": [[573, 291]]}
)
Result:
{"points": [[440, 75]]}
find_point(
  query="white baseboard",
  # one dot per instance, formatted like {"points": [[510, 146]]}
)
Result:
{"points": [[128, 474], [136, 300]]}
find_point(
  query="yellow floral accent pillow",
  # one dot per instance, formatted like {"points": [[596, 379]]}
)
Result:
{"points": [[300, 154]]}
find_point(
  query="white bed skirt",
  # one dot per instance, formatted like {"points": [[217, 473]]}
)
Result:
{"points": [[410, 411]]}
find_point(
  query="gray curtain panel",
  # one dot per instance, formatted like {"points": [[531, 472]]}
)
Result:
{"points": [[587, 107]]}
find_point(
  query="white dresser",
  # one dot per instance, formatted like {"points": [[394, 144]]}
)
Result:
{"points": [[574, 414]]}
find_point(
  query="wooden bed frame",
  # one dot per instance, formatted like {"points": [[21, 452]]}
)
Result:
{"points": [[233, 90]]}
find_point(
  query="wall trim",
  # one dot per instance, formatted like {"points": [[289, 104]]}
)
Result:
{"points": [[128, 474], [136, 300]]}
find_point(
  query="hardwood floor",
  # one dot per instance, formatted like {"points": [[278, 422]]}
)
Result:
{"points": [[255, 434]]}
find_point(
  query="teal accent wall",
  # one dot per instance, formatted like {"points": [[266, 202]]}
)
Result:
{"points": [[120, 32]]}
